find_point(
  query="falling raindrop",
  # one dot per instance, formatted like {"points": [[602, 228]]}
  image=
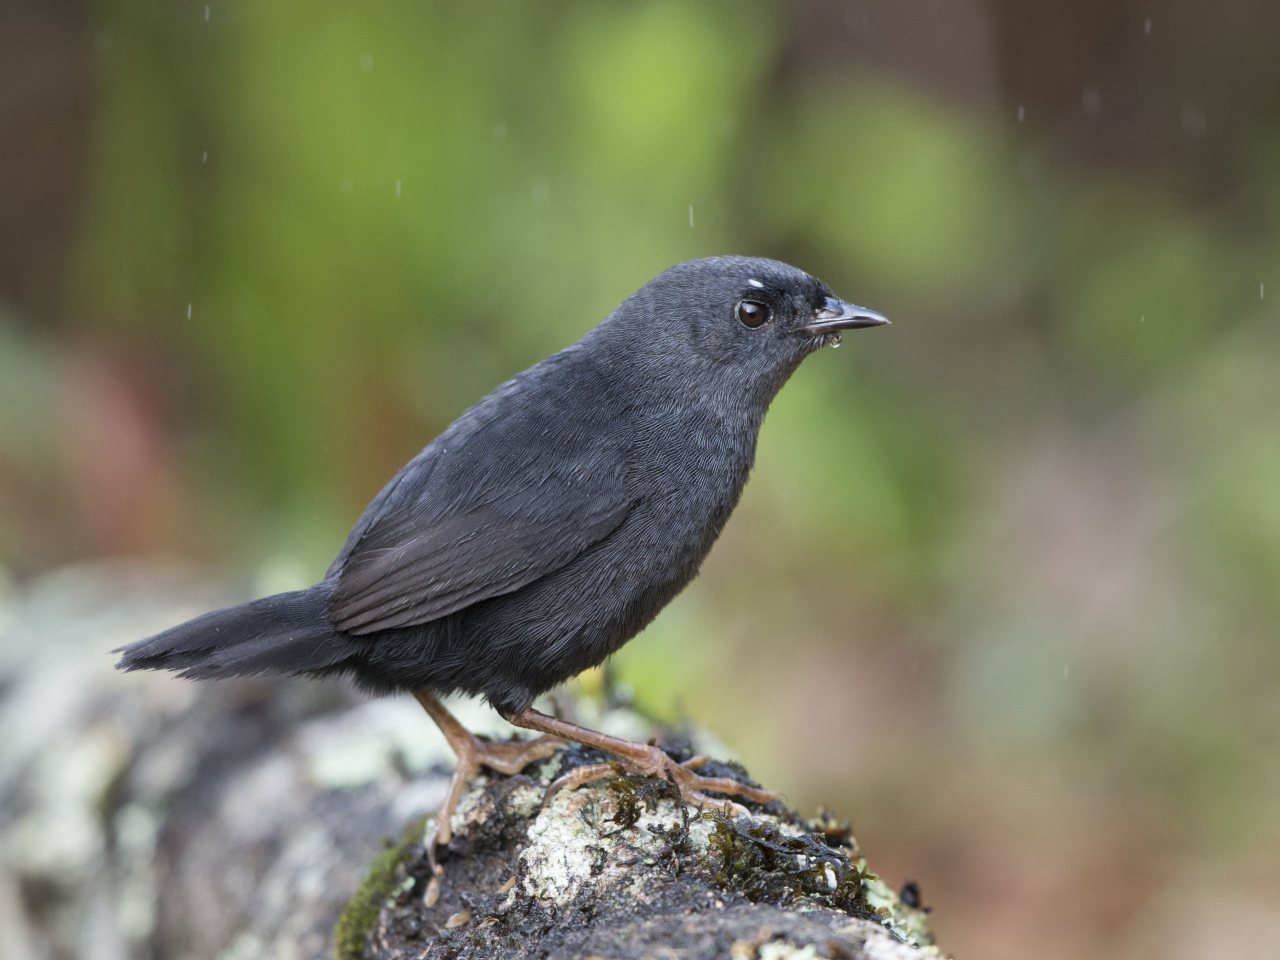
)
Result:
{"points": [[1091, 100], [691, 215], [204, 157], [1022, 112], [1195, 121], [397, 188], [206, 14], [1262, 290], [1146, 27], [188, 311], [1066, 671]]}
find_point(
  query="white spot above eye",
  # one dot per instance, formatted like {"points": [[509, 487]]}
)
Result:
{"points": [[756, 283]]}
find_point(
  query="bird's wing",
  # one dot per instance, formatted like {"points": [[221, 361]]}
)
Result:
{"points": [[455, 528]]}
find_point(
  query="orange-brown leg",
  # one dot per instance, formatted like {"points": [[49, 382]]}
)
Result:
{"points": [[473, 753], [634, 758]]}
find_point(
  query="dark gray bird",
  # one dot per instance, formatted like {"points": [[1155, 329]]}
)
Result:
{"points": [[548, 524]]}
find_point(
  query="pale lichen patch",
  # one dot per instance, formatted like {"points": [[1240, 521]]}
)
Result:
{"points": [[563, 852]]}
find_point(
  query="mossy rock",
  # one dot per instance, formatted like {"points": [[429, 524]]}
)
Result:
{"points": [[386, 877], [622, 867]]}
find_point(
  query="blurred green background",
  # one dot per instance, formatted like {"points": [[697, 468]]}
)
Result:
{"points": [[1005, 586]]}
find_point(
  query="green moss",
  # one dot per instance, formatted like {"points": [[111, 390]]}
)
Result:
{"points": [[758, 859], [361, 912], [907, 923], [635, 794]]}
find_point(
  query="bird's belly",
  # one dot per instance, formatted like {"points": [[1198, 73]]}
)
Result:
{"points": [[574, 618]]}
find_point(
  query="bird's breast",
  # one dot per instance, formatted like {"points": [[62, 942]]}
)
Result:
{"points": [[687, 471]]}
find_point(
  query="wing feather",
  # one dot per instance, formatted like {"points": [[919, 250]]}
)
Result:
{"points": [[454, 530]]}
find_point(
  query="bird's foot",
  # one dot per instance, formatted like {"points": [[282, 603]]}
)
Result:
{"points": [[504, 756], [693, 787], [645, 759]]}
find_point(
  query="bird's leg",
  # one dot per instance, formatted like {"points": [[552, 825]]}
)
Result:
{"points": [[507, 757], [634, 758]]}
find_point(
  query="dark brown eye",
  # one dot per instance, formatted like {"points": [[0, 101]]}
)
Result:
{"points": [[752, 313]]}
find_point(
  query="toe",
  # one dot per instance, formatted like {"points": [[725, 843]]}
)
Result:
{"points": [[576, 778], [732, 788]]}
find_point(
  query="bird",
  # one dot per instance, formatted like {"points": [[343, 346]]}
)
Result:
{"points": [[547, 525]]}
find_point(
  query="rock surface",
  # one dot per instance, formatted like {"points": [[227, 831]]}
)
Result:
{"points": [[623, 868], [142, 816]]}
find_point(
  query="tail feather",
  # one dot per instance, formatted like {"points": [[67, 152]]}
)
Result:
{"points": [[286, 633]]}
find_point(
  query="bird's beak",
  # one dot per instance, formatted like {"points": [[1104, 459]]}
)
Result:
{"points": [[836, 315]]}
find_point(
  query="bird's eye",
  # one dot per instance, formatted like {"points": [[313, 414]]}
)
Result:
{"points": [[752, 313]]}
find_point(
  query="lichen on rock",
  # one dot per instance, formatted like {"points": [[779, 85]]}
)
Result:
{"points": [[622, 867]]}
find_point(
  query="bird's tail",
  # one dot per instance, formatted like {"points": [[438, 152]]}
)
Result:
{"points": [[286, 633]]}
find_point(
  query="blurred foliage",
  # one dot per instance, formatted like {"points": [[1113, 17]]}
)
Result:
{"points": [[938, 217], [311, 234]]}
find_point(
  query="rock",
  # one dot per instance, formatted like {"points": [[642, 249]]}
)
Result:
{"points": [[623, 868], [142, 816]]}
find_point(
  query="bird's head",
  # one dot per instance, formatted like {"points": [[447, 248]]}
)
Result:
{"points": [[745, 321]]}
